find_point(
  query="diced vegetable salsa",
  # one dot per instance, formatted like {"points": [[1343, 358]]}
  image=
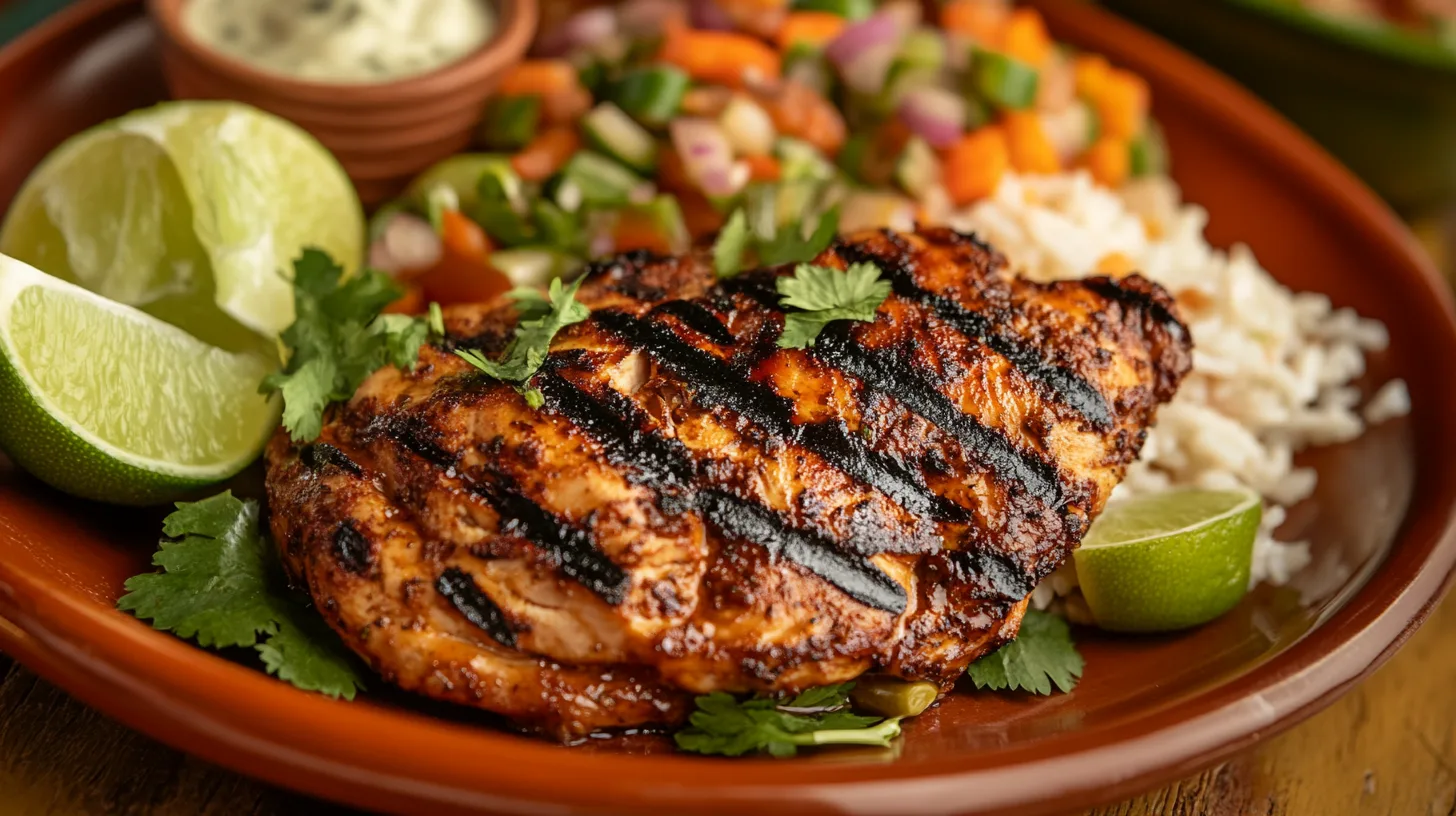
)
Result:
{"points": [[654, 124]]}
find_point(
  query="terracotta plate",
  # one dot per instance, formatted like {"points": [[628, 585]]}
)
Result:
{"points": [[1149, 708]]}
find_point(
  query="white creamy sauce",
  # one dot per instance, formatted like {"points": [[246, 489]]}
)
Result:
{"points": [[342, 41]]}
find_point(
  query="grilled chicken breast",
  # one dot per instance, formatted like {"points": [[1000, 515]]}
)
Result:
{"points": [[693, 508]]}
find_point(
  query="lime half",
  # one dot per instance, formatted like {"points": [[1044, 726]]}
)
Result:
{"points": [[106, 402], [189, 211], [1170, 560]]}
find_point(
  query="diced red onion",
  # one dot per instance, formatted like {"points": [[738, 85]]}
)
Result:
{"points": [[866, 72], [408, 245], [905, 13], [707, 14], [875, 31], [582, 30], [935, 114], [707, 156]]}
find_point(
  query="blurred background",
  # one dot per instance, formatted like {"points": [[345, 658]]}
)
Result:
{"points": [[1374, 81]]}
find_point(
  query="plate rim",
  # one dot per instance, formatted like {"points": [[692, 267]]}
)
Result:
{"points": [[124, 668]]}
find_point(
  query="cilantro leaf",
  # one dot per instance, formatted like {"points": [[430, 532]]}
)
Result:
{"points": [[731, 246], [727, 726], [541, 319], [826, 295], [308, 654], [220, 586], [1042, 655], [790, 245], [338, 339], [214, 585]]}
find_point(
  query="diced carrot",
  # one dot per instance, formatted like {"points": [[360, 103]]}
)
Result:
{"points": [[1092, 72], [978, 20], [563, 98], [699, 214], [635, 230], [410, 303], [542, 77], [706, 100], [1122, 106], [1109, 160], [464, 273], [763, 168], [1031, 150], [1026, 37], [974, 166], [546, 153], [719, 57], [809, 27], [799, 111]]}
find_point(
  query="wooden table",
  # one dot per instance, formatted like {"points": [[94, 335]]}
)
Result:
{"points": [[1389, 747]]}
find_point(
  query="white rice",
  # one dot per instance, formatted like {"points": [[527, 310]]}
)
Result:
{"points": [[1271, 368]]}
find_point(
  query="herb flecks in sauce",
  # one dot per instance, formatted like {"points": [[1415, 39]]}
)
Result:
{"points": [[342, 41]]}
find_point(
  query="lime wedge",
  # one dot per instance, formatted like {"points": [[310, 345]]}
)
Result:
{"points": [[106, 402], [1168, 561], [189, 211]]}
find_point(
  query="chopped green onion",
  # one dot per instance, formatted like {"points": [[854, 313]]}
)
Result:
{"points": [[854, 156], [593, 76], [665, 214], [557, 227], [510, 122], [892, 697], [849, 9], [923, 48], [613, 132], [602, 182], [651, 95], [801, 161], [503, 223], [1148, 154], [441, 199], [1004, 81], [533, 266]]}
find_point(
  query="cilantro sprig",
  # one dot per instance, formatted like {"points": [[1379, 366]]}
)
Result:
{"points": [[825, 295], [221, 586], [756, 233], [1041, 656], [727, 726], [338, 338], [540, 319]]}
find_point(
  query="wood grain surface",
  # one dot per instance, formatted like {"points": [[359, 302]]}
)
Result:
{"points": [[1388, 747]]}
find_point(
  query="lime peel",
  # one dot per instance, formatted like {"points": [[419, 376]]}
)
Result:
{"points": [[1170, 560], [58, 444]]}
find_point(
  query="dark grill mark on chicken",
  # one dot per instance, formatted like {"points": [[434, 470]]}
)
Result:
{"points": [[352, 549], [569, 547], [693, 508], [460, 590]]}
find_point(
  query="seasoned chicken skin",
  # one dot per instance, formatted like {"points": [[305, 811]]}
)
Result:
{"points": [[693, 508]]}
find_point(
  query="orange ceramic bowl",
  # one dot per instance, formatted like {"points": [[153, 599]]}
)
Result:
{"points": [[383, 133], [1382, 529]]}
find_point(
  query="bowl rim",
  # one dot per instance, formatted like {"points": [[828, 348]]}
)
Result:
{"points": [[179, 693], [515, 27], [1388, 41]]}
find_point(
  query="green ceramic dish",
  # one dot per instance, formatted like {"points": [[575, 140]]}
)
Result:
{"points": [[1382, 99]]}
